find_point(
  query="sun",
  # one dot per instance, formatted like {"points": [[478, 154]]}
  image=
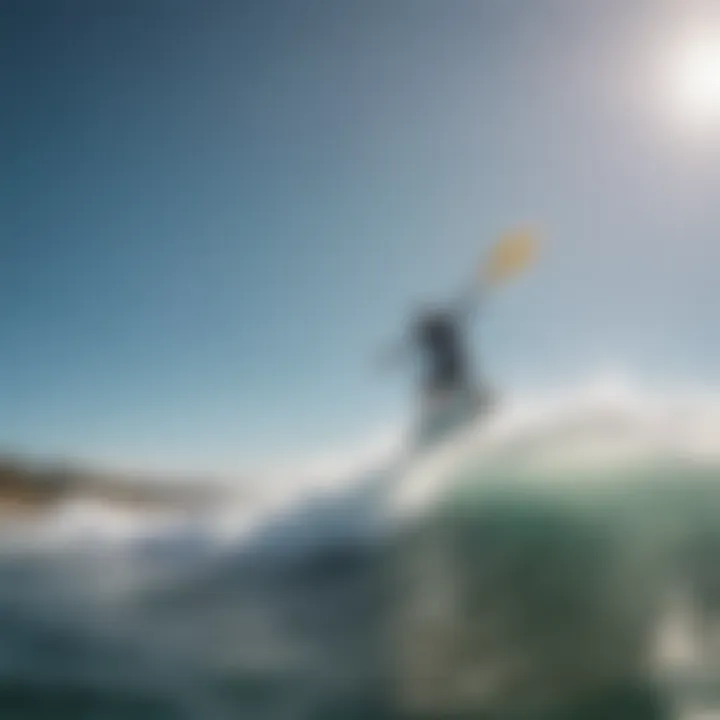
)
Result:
{"points": [[696, 81]]}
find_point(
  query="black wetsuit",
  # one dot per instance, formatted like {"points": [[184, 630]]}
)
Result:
{"points": [[440, 339]]}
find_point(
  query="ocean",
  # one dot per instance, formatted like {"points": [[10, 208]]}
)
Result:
{"points": [[559, 560]]}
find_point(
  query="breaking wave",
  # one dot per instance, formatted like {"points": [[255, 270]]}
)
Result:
{"points": [[346, 589]]}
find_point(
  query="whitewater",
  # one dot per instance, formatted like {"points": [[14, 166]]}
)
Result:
{"points": [[559, 557]]}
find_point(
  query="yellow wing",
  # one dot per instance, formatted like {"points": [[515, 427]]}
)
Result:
{"points": [[515, 252]]}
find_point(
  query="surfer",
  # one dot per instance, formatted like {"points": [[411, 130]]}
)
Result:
{"points": [[440, 338], [450, 395], [448, 392]]}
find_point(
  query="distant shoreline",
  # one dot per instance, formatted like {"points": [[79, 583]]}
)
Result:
{"points": [[29, 490]]}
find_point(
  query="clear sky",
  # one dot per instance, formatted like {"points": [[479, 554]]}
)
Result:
{"points": [[214, 212]]}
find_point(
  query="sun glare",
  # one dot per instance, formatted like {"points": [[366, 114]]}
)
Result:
{"points": [[696, 84]]}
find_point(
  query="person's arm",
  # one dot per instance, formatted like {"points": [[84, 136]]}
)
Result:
{"points": [[467, 305]]}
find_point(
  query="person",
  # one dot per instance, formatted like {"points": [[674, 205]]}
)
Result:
{"points": [[450, 394], [439, 336], [449, 391]]}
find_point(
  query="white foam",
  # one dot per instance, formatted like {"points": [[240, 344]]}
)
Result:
{"points": [[600, 423]]}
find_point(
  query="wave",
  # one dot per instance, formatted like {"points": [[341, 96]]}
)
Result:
{"points": [[308, 599], [593, 430]]}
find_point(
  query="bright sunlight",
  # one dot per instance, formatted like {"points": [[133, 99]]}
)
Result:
{"points": [[696, 81]]}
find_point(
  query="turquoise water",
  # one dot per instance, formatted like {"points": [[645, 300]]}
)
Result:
{"points": [[525, 590], [554, 595]]}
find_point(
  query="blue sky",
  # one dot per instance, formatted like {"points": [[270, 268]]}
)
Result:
{"points": [[213, 213]]}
